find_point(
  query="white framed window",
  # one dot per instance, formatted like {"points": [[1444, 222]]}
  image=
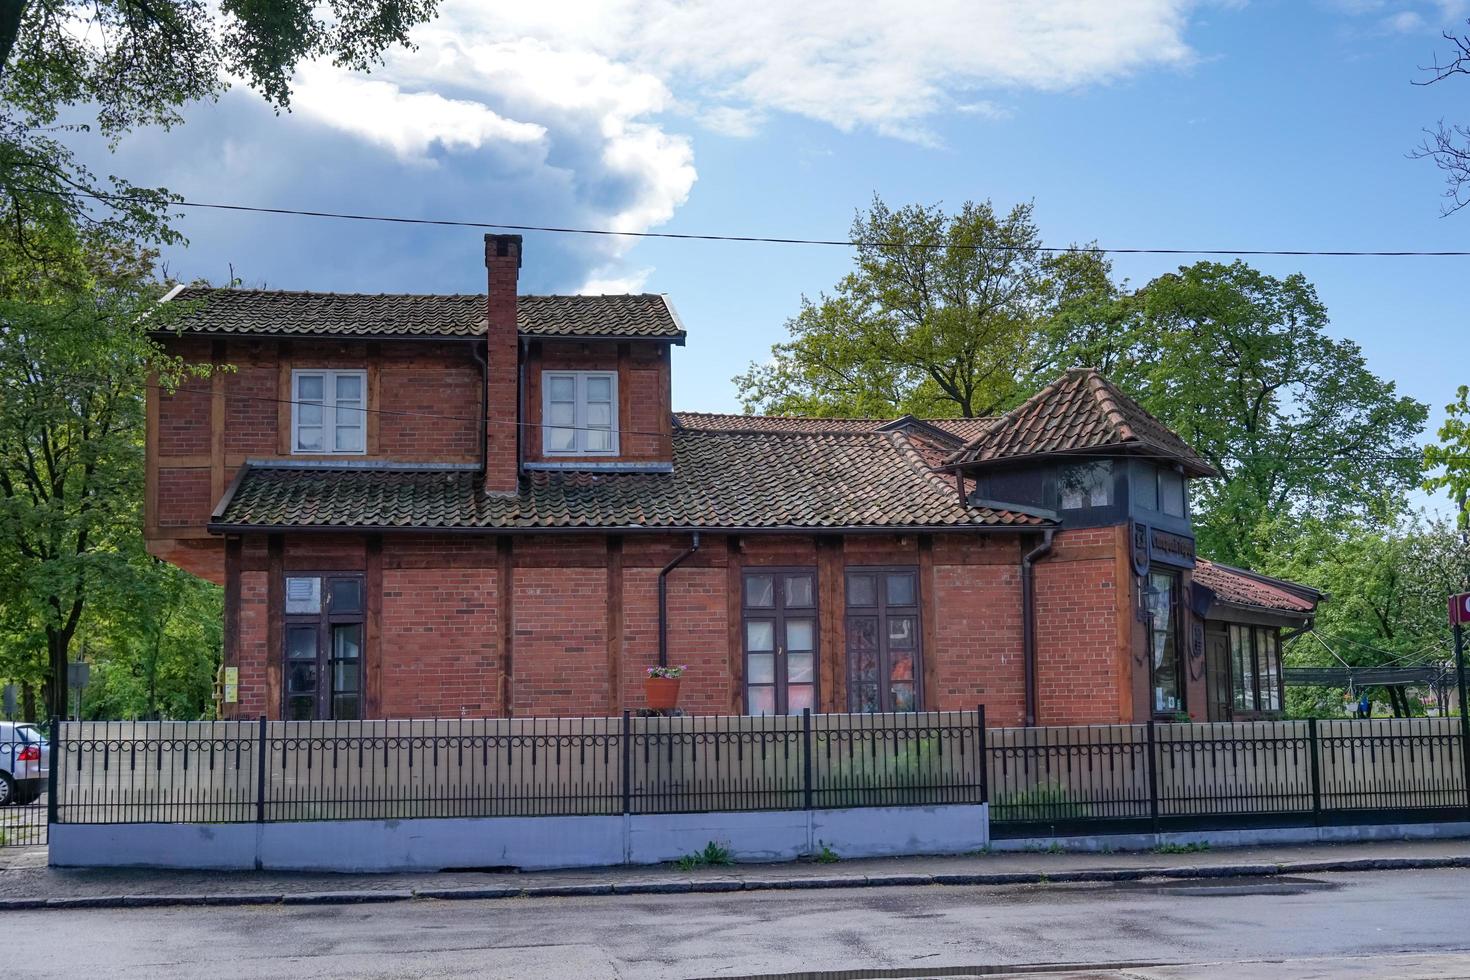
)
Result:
{"points": [[579, 412], [329, 412]]}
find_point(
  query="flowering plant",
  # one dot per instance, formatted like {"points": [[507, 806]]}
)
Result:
{"points": [[672, 673]]}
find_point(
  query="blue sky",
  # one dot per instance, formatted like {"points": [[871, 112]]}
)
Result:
{"points": [[1133, 123]]}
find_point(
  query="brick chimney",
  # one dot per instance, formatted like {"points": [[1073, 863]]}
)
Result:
{"points": [[502, 401]]}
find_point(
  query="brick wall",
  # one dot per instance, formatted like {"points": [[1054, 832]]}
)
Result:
{"points": [[441, 643], [560, 646], [254, 612], [183, 419], [1077, 663], [441, 628], [184, 497]]}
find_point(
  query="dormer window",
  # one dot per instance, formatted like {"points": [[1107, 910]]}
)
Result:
{"points": [[328, 412], [1086, 485], [579, 409]]}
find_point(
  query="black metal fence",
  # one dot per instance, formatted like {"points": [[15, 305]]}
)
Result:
{"points": [[148, 772], [1162, 777], [24, 758]]}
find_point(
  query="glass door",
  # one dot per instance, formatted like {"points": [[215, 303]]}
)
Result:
{"points": [[780, 614], [324, 631], [883, 639]]}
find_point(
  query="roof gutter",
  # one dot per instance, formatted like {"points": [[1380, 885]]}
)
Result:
{"points": [[1028, 619], [222, 528], [663, 599]]}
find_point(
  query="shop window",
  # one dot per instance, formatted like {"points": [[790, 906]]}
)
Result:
{"points": [[1166, 667], [1255, 668]]}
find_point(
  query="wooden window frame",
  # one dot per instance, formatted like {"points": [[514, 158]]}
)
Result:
{"points": [[580, 427], [881, 611], [1181, 677], [777, 613], [329, 378], [1256, 661], [323, 621]]}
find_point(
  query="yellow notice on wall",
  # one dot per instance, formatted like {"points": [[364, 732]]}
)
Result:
{"points": [[232, 685]]}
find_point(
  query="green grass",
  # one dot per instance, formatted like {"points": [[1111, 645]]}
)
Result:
{"points": [[1194, 847], [825, 855], [714, 854], [1040, 803]]}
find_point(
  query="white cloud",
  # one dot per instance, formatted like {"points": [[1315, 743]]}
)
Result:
{"points": [[610, 280]]}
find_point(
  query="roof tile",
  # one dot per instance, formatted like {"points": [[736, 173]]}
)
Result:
{"points": [[288, 313]]}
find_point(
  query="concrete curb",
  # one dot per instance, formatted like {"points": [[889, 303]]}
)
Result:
{"points": [[723, 885]]}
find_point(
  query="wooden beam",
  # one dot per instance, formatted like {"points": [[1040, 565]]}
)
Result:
{"points": [[614, 624], [373, 640], [150, 458], [928, 624], [504, 589], [275, 603], [736, 650], [832, 622], [234, 548], [216, 422]]}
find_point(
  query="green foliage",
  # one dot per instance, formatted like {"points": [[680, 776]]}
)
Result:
{"points": [[1047, 802], [1451, 455], [129, 64], [963, 330], [75, 357], [1193, 847], [1240, 364], [825, 854], [713, 854]]}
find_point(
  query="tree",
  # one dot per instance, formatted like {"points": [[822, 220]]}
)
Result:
{"points": [[1453, 454], [74, 359], [1387, 582], [943, 315], [138, 63], [1449, 146], [1239, 363]]}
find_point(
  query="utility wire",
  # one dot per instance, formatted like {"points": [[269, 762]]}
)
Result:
{"points": [[749, 239]]}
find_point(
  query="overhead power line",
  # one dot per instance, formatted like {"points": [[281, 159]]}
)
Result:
{"points": [[749, 239]]}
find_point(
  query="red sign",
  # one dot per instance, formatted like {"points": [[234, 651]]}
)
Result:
{"points": [[1460, 609]]}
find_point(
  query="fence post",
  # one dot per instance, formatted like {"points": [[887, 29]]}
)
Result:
{"points": [[1153, 778], [58, 750], [806, 757], [260, 775], [627, 763], [1316, 772], [984, 756]]}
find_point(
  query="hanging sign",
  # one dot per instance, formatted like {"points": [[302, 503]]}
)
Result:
{"points": [[1460, 609]]}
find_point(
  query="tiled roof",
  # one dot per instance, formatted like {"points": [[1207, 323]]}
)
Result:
{"points": [[719, 480], [1081, 410], [301, 314], [962, 430], [1240, 587]]}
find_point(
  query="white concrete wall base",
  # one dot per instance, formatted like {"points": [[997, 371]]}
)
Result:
{"points": [[531, 843], [1239, 838]]}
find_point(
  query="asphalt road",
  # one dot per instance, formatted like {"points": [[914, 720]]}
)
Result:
{"points": [[1375, 918]]}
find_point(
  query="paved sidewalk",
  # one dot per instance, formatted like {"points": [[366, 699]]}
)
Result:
{"points": [[25, 881]]}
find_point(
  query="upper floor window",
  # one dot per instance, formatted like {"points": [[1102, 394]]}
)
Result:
{"points": [[329, 411], [1086, 485], [1171, 493], [579, 411]]}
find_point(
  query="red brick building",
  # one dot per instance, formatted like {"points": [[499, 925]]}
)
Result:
{"points": [[472, 505]]}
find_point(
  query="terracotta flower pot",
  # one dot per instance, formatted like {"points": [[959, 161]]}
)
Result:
{"points": [[662, 692]]}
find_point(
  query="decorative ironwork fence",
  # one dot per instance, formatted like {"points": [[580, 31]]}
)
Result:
{"points": [[1119, 778], [24, 757], [147, 772]]}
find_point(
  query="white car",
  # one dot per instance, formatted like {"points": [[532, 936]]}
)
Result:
{"points": [[25, 757]]}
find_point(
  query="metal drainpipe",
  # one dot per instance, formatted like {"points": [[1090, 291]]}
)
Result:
{"points": [[1028, 620], [663, 601]]}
